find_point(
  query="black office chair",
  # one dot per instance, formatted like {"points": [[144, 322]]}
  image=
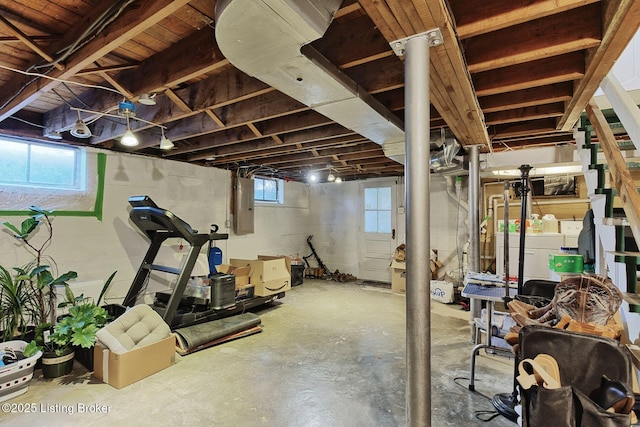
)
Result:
{"points": [[538, 292]]}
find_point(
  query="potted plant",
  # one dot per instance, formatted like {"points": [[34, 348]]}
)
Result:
{"points": [[27, 297], [73, 332], [76, 329]]}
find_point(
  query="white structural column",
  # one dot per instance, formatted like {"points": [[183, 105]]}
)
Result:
{"points": [[418, 344]]}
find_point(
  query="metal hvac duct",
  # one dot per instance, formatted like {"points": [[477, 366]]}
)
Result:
{"points": [[269, 40]]}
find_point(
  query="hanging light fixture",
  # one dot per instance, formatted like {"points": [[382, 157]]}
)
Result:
{"points": [[126, 110], [80, 129], [338, 180], [147, 99], [129, 139], [165, 143], [331, 177]]}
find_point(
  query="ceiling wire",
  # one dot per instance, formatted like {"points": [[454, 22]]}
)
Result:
{"points": [[30, 73], [89, 34], [26, 121]]}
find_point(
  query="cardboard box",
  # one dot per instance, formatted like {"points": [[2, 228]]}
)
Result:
{"points": [[286, 259], [434, 266], [268, 276], [120, 370], [242, 273], [398, 276]]}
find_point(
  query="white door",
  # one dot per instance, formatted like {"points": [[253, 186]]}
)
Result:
{"points": [[378, 230]]}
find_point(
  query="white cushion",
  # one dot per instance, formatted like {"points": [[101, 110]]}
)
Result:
{"points": [[138, 327]]}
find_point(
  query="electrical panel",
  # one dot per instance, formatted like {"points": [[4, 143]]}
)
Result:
{"points": [[243, 212]]}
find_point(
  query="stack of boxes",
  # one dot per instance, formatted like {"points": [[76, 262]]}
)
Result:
{"points": [[262, 277]]}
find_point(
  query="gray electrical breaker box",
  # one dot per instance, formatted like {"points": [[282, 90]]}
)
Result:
{"points": [[243, 212]]}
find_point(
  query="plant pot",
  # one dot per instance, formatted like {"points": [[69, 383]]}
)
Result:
{"points": [[85, 357], [54, 366], [15, 377]]}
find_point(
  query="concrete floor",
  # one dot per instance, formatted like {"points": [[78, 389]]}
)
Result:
{"points": [[330, 354]]}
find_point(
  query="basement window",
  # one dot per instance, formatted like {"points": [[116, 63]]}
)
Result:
{"points": [[41, 165], [268, 190]]}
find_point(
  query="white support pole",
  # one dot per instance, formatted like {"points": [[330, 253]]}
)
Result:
{"points": [[418, 303], [474, 224], [417, 218]]}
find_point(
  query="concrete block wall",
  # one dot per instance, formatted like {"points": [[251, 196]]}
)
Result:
{"points": [[201, 196]]}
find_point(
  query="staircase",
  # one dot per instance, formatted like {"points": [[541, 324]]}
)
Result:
{"points": [[609, 183]]}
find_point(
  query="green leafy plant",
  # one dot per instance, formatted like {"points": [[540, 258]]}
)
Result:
{"points": [[27, 293], [77, 328], [19, 306]]}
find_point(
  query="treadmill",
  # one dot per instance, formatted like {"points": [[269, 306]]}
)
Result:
{"points": [[177, 310]]}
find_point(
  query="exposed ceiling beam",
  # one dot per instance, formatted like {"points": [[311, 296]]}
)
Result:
{"points": [[19, 92]]}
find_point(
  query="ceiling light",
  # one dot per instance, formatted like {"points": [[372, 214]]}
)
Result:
{"points": [[313, 177], [129, 139], [53, 135], [331, 177], [79, 129], [165, 143], [338, 180], [147, 99]]}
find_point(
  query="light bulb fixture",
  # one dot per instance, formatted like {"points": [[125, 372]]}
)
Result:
{"points": [[53, 135], [126, 110], [338, 180], [80, 129], [147, 99], [129, 139], [331, 177], [313, 177], [165, 143]]}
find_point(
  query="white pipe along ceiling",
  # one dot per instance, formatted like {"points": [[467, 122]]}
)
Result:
{"points": [[269, 40]]}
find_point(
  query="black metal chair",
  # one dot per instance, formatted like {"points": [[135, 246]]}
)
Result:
{"points": [[539, 288]]}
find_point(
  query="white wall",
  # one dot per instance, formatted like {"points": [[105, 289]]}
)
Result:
{"points": [[201, 196], [334, 221], [198, 195], [336, 212]]}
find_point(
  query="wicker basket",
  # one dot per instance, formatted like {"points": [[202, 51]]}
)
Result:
{"points": [[15, 377]]}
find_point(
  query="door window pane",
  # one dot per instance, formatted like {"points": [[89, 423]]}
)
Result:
{"points": [[370, 198], [384, 198], [371, 222], [377, 215], [384, 221]]}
